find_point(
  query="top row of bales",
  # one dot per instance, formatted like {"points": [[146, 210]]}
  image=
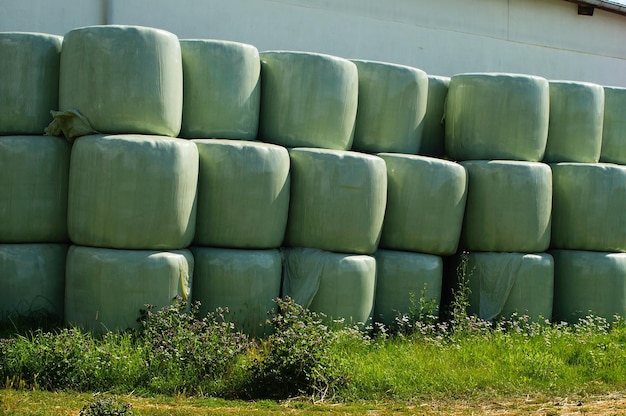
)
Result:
{"points": [[128, 79]]}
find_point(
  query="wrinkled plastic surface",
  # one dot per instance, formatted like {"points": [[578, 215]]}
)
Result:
{"points": [[33, 189], [509, 206], [425, 204], [392, 105], [132, 192], [497, 116], [243, 194], [222, 89], [106, 289], [32, 280], [589, 207], [341, 286], [614, 127], [587, 282], [502, 284], [406, 282], [29, 81], [338, 200], [123, 79], [244, 281], [308, 100], [434, 133], [71, 124], [576, 117]]}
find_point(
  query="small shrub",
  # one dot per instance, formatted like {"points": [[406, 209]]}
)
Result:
{"points": [[106, 407]]}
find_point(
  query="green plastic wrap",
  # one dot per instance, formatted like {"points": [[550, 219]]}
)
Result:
{"points": [[406, 282], [589, 206], [509, 206], [29, 81], [576, 117], [587, 282], [244, 281], [105, 289], [132, 192], [32, 280], [123, 79], [341, 286], [434, 133], [222, 89], [33, 189], [497, 116], [308, 100], [392, 105], [243, 194], [338, 200], [425, 204], [614, 127], [502, 284]]}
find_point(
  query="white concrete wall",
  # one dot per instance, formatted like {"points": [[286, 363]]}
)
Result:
{"points": [[442, 37]]}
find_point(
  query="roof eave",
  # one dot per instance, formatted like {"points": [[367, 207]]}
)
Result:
{"points": [[603, 5]]}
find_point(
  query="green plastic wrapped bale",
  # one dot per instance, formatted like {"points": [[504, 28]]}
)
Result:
{"points": [[243, 194], [122, 79], [341, 286], [33, 189], [576, 117], [509, 206], [338, 200], [106, 289], [222, 89], [29, 81], [392, 105], [503, 284], [614, 127], [244, 281], [32, 280], [406, 283], [132, 192], [589, 207], [434, 133], [308, 100], [497, 116], [589, 283], [425, 204]]}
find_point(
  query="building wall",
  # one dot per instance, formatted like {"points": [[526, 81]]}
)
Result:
{"points": [[442, 37]]}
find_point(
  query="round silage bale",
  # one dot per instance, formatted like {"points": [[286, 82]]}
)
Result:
{"points": [[502, 284], [509, 206], [497, 116], [391, 109], [132, 192], [576, 117], [32, 280], [434, 133], [106, 289], [614, 127], [243, 194], [425, 204], [338, 200], [341, 286], [123, 79], [589, 283], [244, 281], [308, 100], [222, 89], [29, 81], [589, 206], [406, 283], [33, 189]]}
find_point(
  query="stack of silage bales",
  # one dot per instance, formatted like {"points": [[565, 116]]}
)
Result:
{"points": [[132, 187], [497, 126], [243, 187], [33, 182]]}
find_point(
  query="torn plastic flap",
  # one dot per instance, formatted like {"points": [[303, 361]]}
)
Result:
{"points": [[496, 278], [71, 124], [302, 272]]}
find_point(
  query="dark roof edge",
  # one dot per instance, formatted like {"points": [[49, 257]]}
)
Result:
{"points": [[609, 6]]}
